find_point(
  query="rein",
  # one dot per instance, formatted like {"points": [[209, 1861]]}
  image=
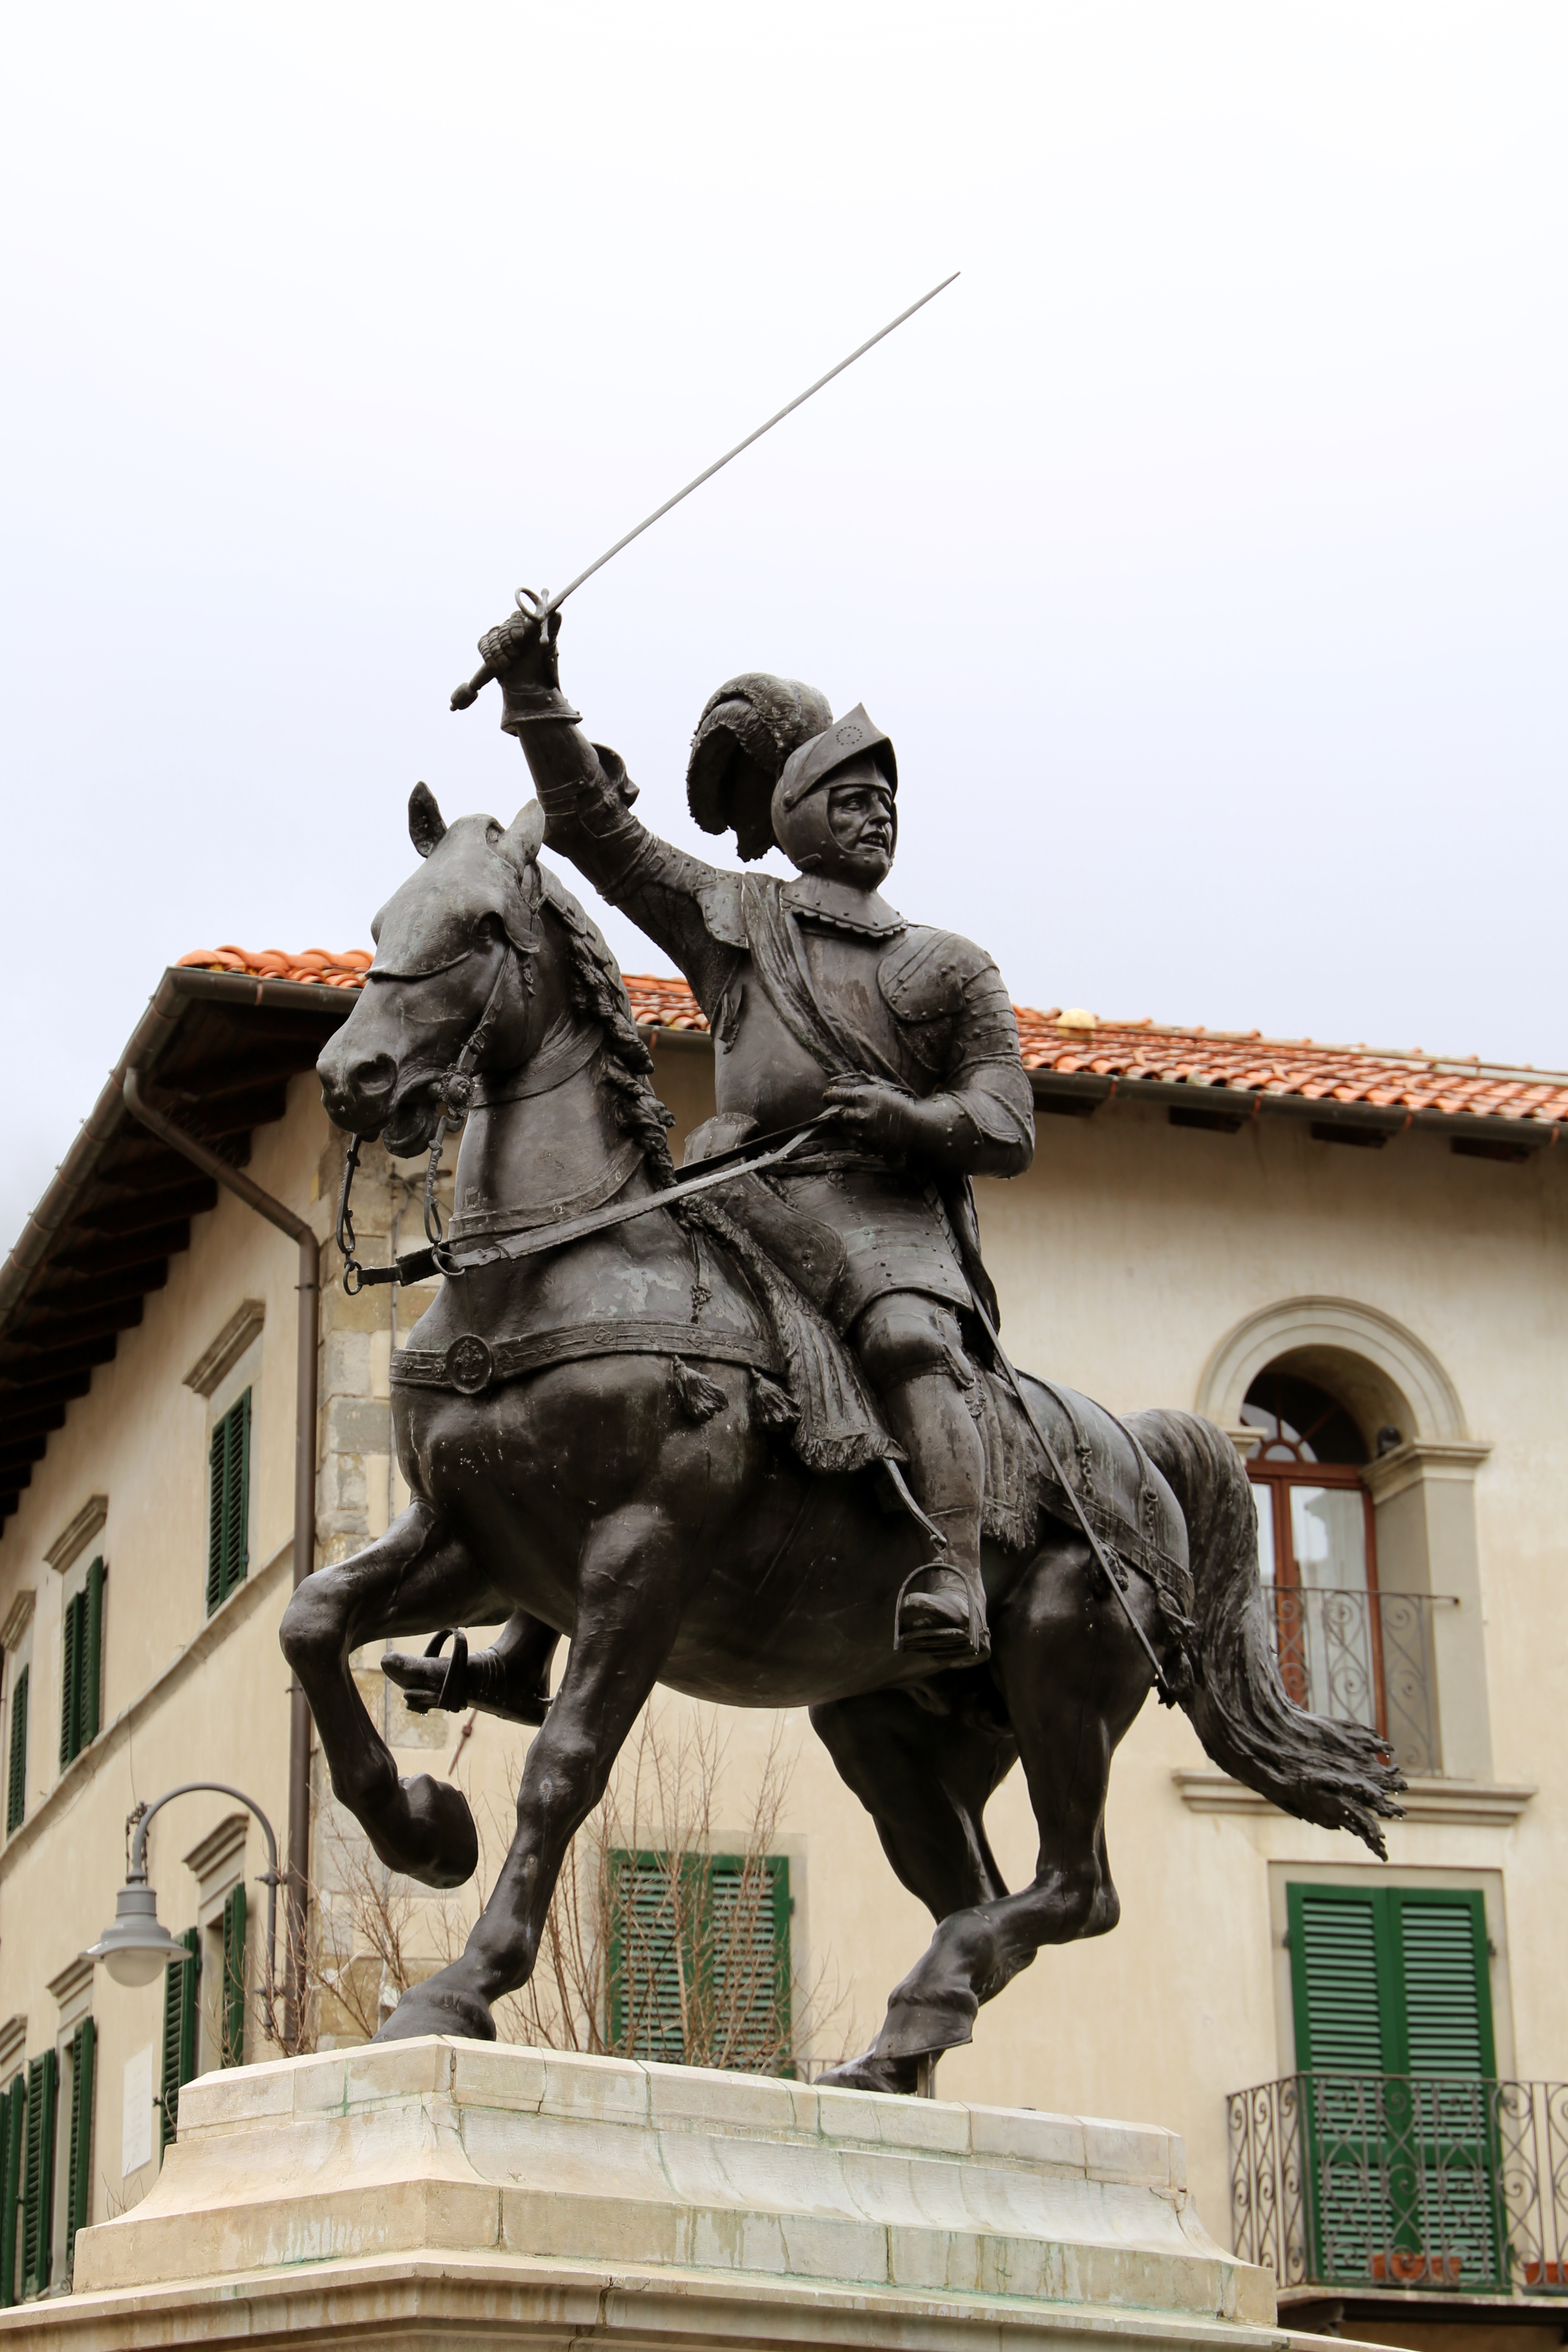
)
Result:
{"points": [[419, 1265], [457, 1098]]}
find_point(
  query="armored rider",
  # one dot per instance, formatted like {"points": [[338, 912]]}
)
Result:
{"points": [[823, 999]]}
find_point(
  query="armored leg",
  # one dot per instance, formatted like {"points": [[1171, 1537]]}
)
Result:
{"points": [[911, 1351], [510, 1679]]}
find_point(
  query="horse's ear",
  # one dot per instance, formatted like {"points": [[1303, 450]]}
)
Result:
{"points": [[426, 826], [520, 843]]}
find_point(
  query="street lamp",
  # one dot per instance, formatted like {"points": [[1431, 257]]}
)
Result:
{"points": [[137, 1946]]}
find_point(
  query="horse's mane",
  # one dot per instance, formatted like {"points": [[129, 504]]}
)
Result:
{"points": [[598, 991]]}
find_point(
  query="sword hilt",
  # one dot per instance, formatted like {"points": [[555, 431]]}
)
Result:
{"points": [[535, 605]]}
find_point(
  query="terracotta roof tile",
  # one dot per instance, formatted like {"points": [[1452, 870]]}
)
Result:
{"points": [[1199, 1057]]}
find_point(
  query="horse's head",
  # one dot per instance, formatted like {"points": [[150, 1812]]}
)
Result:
{"points": [[455, 946]]}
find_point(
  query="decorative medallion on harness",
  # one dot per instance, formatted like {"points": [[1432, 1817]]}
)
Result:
{"points": [[471, 1367]]}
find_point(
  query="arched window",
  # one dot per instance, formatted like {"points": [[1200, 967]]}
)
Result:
{"points": [[1315, 1527], [1316, 1549], [1338, 1394]]}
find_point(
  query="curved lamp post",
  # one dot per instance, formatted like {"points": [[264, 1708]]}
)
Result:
{"points": [[136, 1947]]}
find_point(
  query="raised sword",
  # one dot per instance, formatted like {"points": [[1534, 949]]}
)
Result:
{"points": [[537, 606]]}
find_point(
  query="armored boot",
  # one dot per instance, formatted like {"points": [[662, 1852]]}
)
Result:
{"points": [[941, 1605], [510, 1679]]}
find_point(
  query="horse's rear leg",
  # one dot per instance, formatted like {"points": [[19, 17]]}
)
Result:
{"points": [[1074, 1677], [416, 1576], [925, 1777], [632, 1582]]}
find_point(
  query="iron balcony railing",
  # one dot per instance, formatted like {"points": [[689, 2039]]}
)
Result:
{"points": [[1363, 1658], [1444, 2181]]}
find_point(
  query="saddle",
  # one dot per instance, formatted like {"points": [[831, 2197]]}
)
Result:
{"points": [[792, 1262]]}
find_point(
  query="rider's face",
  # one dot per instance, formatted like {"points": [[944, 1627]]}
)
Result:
{"points": [[860, 821]]}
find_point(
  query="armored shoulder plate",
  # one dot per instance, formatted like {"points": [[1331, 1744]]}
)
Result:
{"points": [[924, 977], [723, 910]]}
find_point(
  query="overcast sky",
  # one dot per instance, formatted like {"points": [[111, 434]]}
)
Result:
{"points": [[1202, 548]]}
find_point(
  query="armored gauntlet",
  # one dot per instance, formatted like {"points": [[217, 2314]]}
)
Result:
{"points": [[522, 655]]}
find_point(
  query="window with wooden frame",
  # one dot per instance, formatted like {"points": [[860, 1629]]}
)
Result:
{"points": [[1391, 1995], [17, 1782], [181, 1980], [38, 2172], [82, 1677], [698, 1960], [1317, 1547], [80, 2057], [14, 2125], [220, 2031], [228, 1502]]}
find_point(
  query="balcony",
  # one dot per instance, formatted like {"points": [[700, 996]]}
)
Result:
{"points": [[1448, 2183], [1363, 1658]]}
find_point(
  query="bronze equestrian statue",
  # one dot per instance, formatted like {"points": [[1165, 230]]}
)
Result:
{"points": [[670, 1418]]}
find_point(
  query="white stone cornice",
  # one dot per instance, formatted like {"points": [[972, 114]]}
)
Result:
{"points": [[18, 1617], [1424, 1457], [74, 1539], [1478, 1804], [221, 1355]]}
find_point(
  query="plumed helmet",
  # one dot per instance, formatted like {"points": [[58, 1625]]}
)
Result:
{"points": [[855, 746], [746, 734], [856, 736]]}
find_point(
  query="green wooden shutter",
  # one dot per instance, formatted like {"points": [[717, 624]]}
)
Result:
{"points": [[234, 1978], [699, 1965], [750, 1963], [16, 1792], [216, 1456], [14, 2123], [645, 2004], [92, 1670], [38, 2173], [1447, 2011], [179, 1983], [78, 2171], [1447, 2181], [1337, 1973], [237, 1505], [228, 1503], [1394, 2037], [70, 1680]]}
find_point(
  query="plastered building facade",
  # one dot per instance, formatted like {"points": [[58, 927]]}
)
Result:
{"points": [[1144, 1260]]}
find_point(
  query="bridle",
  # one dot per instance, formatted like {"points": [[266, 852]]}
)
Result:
{"points": [[456, 1091]]}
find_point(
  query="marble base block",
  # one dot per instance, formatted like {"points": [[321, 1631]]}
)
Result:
{"points": [[438, 2193]]}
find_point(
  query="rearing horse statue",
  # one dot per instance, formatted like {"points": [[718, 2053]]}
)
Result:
{"points": [[596, 1434]]}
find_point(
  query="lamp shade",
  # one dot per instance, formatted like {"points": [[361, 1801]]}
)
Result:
{"points": [[136, 1947]]}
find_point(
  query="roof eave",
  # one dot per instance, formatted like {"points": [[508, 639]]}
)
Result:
{"points": [[1089, 1089], [143, 1049], [1245, 1104]]}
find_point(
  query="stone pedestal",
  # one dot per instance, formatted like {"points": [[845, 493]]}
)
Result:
{"points": [[439, 2193]]}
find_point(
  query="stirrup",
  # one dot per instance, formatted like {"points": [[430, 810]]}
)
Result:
{"points": [[949, 1645], [452, 1697], [476, 1682]]}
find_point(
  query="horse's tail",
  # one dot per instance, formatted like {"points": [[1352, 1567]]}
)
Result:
{"points": [[1337, 1774]]}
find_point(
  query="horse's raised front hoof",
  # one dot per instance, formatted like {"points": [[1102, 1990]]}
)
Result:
{"points": [[428, 1833], [442, 2004]]}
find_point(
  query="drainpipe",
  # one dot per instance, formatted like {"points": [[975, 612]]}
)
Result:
{"points": [[235, 1181]]}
